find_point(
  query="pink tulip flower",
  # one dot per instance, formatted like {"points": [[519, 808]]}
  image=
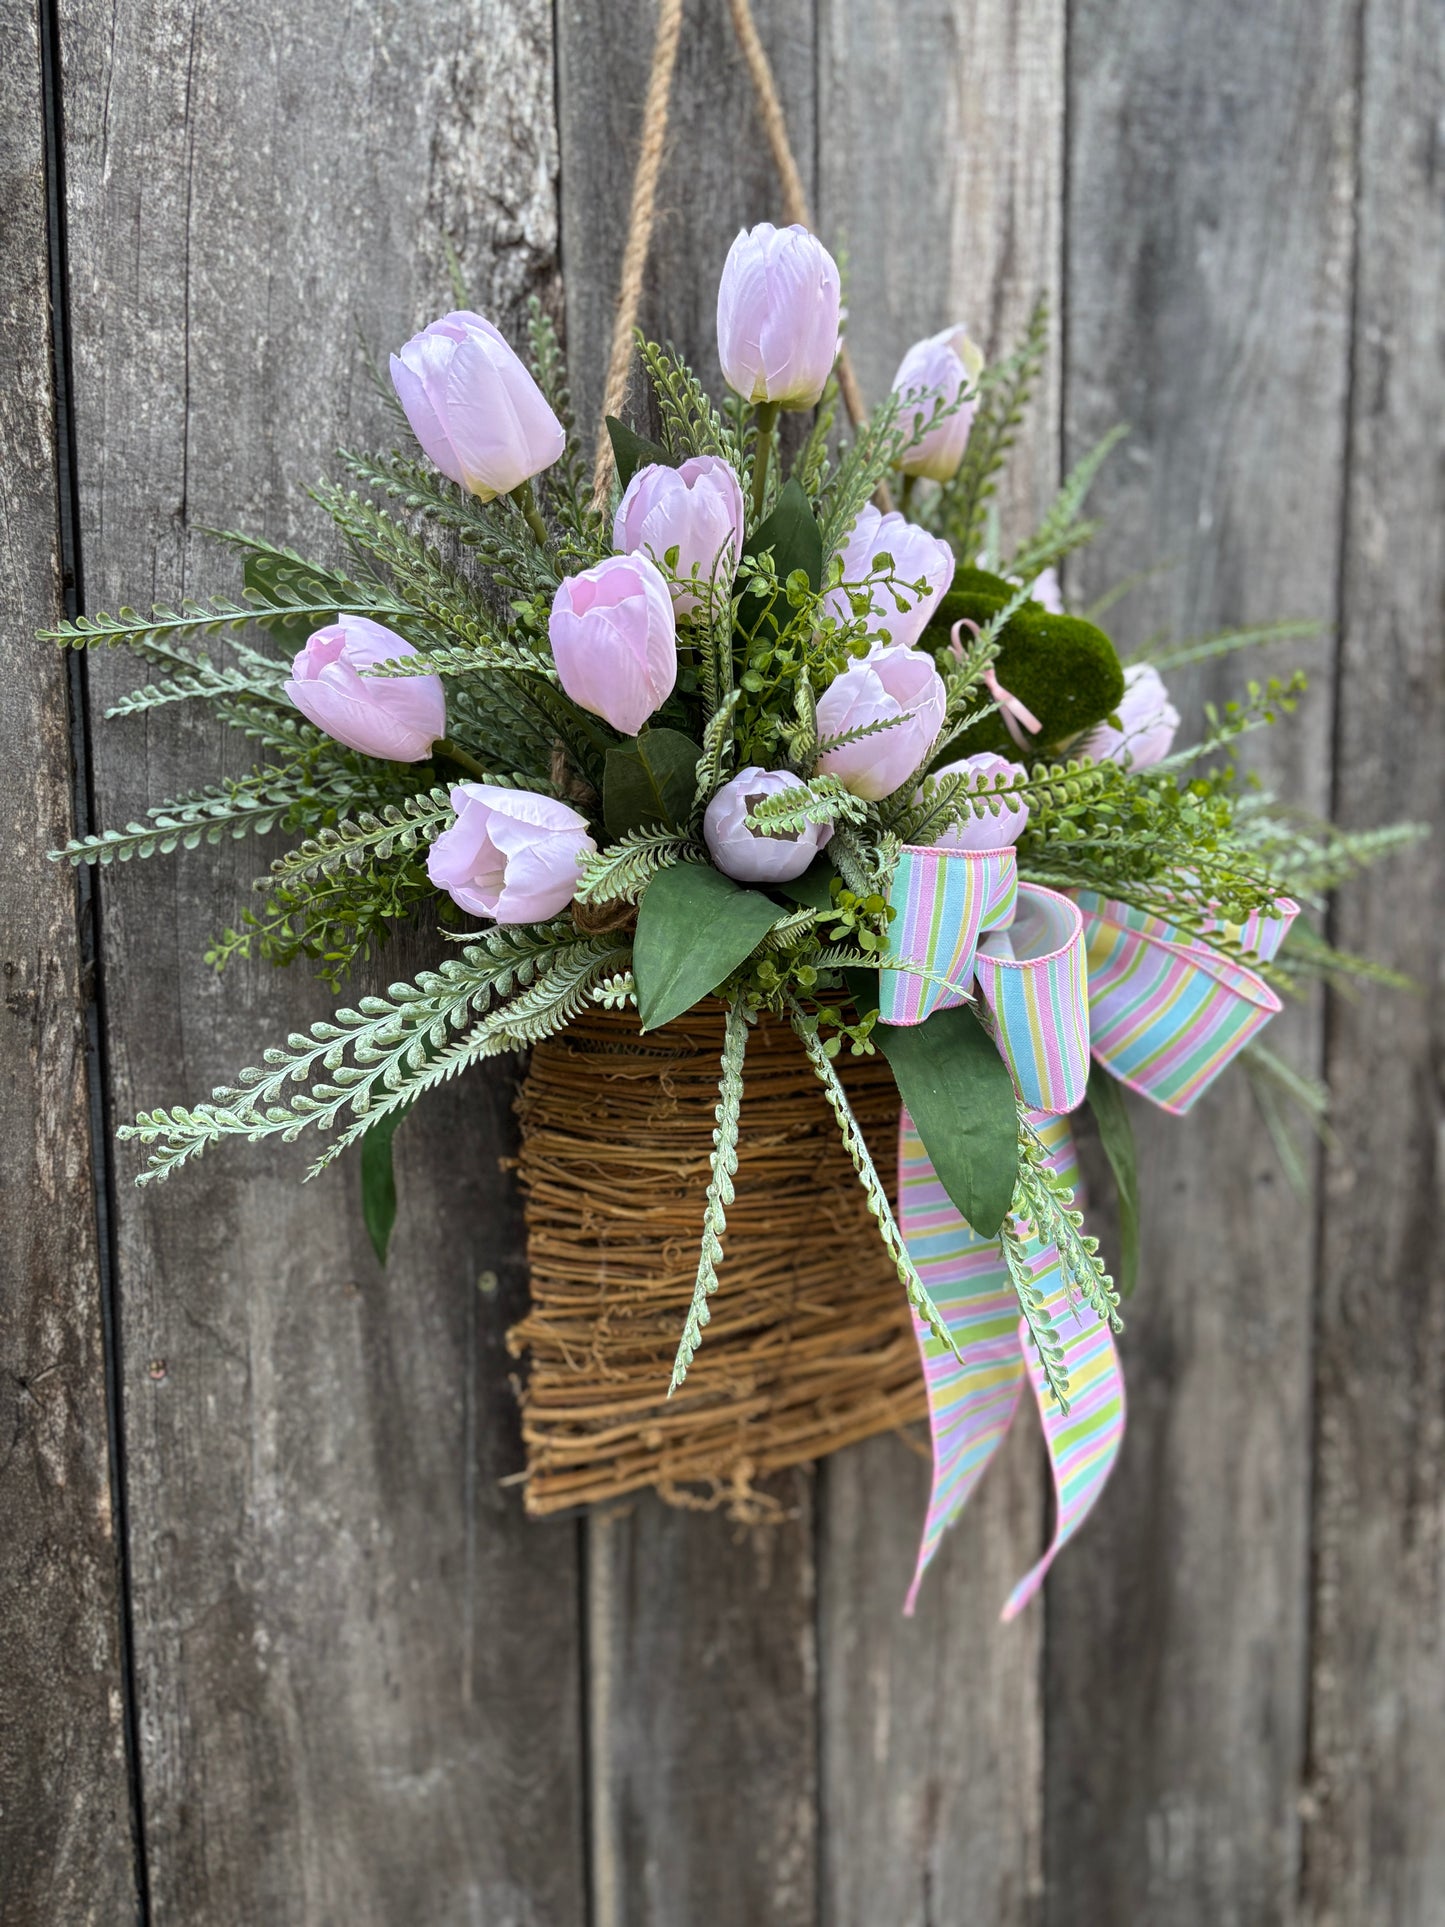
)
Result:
{"points": [[933, 370], [474, 407], [1147, 721], [987, 832], [778, 305], [754, 856], [510, 855], [917, 556], [614, 640], [886, 683], [397, 719], [696, 509]]}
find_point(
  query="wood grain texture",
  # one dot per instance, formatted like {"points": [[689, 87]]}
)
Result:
{"points": [[1211, 177], [701, 1648], [65, 1823], [941, 172], [357, 1665], [1375, 1852]]}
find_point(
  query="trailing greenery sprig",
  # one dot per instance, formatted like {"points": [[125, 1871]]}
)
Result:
{"points": [[723, 1165]]}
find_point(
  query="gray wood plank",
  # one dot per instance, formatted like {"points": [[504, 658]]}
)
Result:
{"points": [[1375, 1851], [1211, 175], [932, 1756], [358, 1667], [701, 1644], [65, 1823]]}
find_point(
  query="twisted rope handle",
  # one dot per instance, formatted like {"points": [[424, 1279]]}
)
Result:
{"points": [[644, 201]]}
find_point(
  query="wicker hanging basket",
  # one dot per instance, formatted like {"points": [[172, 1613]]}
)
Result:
{"points": [[810, 1346]]}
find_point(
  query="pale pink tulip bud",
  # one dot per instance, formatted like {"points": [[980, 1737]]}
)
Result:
{"points": [[614, 640], [759, 856], [777, 315], [1147, 722], [511, 854], [1047, 592], [886, 683], [474, 407], [985, 772], [696, 509], [395, 718], [933, 370], [917, 556]]}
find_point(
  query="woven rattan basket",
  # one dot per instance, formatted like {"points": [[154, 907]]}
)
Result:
{"points": [[810, 1346]]}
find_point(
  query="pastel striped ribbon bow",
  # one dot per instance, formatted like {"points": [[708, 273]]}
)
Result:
{"points": [[1164, 1012], [971, 1405], [964, 917], [1167, 1012]]}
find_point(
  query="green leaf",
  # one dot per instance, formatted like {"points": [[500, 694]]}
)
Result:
{"points": [[648, 780], [262, 575], [796, 541], [1116, 1134], [632, 451], [694, 928], [378, 1182], [961, 1098], [814, 890], [793, 535]]}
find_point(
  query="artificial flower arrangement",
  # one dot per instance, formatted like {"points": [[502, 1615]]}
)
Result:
{"points": [[742, 732]]}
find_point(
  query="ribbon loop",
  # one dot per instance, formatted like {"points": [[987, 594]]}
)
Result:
{"points": [[1167, 1013], [1033, 980], [945, 900]]}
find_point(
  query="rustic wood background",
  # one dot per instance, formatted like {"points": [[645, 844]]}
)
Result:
{"points": [[277, 1644]]}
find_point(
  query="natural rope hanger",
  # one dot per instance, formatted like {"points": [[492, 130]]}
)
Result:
{"points": [[644, 203]]}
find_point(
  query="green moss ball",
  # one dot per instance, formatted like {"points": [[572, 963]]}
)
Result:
{"points": [[1062, 668]]}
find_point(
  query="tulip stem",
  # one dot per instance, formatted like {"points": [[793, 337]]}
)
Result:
{"points": [[910, 482], [527, 502], [767, 415], [454, 753]]}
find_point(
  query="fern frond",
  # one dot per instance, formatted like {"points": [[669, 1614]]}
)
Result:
{"points": [[723, 1169], [718, 745], [250, 806], [206, 682], [691, 424], [1060, 532], [1224, 642], [821, 799], [1019, 1253], [1004, 392], [391, 1041], [861, 1159], [353, 843], [623, 871]]}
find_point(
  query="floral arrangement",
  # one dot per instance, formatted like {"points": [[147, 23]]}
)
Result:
{"points": [[740, 730]]}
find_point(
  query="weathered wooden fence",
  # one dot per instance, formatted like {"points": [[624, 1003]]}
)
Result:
{"points": [[277, 1644]]}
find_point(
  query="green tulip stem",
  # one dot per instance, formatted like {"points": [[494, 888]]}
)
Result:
{"points": [[910, 482], [527, 502], [767, 415], [454, 753]]}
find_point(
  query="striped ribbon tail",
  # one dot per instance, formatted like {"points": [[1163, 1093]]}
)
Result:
{"points": [[970, 1405], [1166, 1012], [1083, 1443], [1033, 979], [945, 900]]}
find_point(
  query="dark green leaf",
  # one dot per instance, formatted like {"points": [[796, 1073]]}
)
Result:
{"points": [[650, 779], [961, 1098], [796, 542], [1116, 1134], [694, 927], [378, 1181], [793, 535], [814, 890], [632, 451]]}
